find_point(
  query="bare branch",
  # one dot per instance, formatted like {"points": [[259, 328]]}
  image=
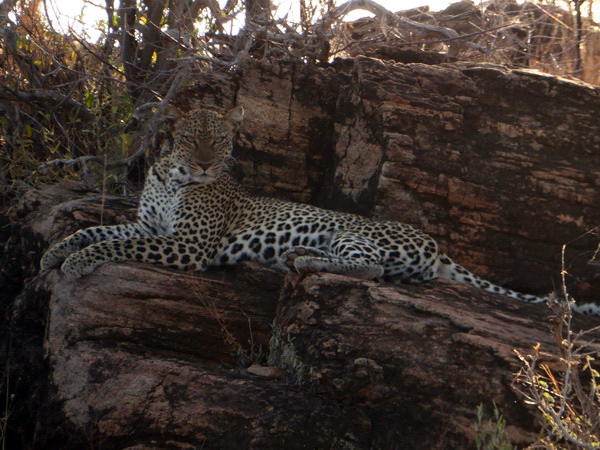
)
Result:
{"points": [[70, 162], [401, 22], [53, 98]]}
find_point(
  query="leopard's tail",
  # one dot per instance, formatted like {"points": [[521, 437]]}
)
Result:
{"points": [[450, 270]]}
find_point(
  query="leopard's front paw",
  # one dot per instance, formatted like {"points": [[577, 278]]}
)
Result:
{"points": [[53, 257], [77, 265]]}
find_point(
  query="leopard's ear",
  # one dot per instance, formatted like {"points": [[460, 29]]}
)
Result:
{"points": [[172, 116], [233, 119]]}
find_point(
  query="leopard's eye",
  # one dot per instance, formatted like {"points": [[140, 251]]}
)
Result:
{"points": [[220, 139], [188, 139]]}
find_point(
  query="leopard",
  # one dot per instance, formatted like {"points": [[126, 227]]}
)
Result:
{"points": [[193, 215]]}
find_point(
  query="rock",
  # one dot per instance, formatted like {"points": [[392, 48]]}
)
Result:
{"points": [[134, 364], [139, 356], [497, 165], [265, 371], [418, 357]]}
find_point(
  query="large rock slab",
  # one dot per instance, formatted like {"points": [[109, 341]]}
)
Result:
{"points": [[161, 364], [499, 165], [139, 356]]}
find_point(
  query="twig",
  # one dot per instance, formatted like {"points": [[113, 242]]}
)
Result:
{"points": [[55, 98], [573, 425], [401, 22], [112, 67], [464, 36], [70, 162], [239, 57], [536, 398]]}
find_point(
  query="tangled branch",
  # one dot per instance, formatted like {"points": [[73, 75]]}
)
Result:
{"points": [[571, 410], [456, 42]]}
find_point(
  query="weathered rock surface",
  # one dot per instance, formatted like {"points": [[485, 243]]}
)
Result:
{"points": [[137, 356], [500, 166], [139, 364]]}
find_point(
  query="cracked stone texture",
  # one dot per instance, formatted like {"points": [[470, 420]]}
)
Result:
{"points": [[139, 356], [499, 165]]}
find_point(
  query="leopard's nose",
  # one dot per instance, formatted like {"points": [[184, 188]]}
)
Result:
{"points": [[205, 166]]}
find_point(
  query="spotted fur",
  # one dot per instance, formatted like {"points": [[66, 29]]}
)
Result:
{"points": [[193, 215]]}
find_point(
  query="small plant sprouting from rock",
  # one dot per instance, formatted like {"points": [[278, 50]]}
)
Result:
{"points": [[244, 356], [282, 354], [492, 434], [568, 397], [571, 410]]}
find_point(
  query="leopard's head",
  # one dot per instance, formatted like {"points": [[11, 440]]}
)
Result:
{"points": [[203, 141]]}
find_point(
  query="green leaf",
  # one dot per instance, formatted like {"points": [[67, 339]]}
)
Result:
{"points": [[89, 99]]}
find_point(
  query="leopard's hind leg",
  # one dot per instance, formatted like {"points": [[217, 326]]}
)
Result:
{"points": [[349, 254]]}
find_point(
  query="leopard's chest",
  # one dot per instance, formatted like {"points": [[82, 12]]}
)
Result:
{"points": [[156, 207]]}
